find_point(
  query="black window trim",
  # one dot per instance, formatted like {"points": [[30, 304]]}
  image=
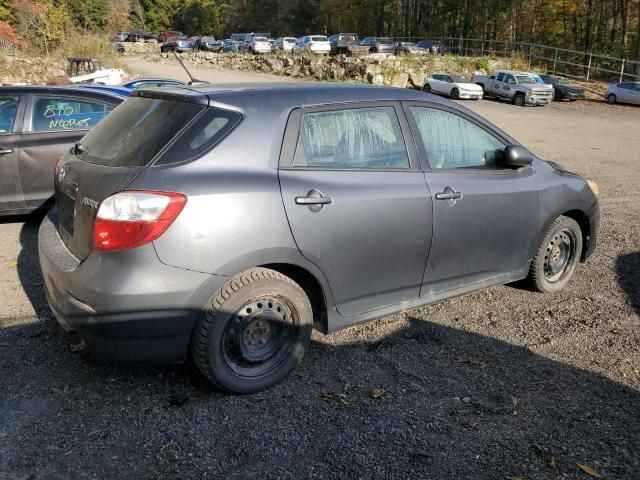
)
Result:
{"points": [[28, 112], [292, 133], [423, 156]]}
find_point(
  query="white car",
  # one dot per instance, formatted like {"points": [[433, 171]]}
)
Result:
{"points": [[284, 43], [258, 45], [624, 92], [454, 86], [313, 44]]}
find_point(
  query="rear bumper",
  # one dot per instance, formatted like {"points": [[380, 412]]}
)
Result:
{"points": [[126, 306]]}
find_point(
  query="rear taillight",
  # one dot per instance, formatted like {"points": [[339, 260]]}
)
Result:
{"points": [[133, 218]]}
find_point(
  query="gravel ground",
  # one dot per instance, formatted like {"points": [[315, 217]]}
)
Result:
{"points": [[498, 384]]}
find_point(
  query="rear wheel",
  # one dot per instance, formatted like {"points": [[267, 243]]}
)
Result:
{"points": [[455, 93], [557, 257], [612, 98], [518, 99], [426, 88], [253, 332]]}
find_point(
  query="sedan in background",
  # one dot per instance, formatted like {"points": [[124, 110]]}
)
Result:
{"points": [[177, 44], [256, 45], [230, 46], [453, 86], [313, 44], [432, 46], [624, 92], [378, 44], [166, 35], [208, 44], [563, 88], [37, 125], [407, 48], [285, 44]]}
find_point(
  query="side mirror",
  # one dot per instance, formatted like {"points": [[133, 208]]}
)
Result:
{"points": [[516, 156]]}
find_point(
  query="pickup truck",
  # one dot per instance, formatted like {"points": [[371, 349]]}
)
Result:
{"points": [[518, 87], [346, 43]]}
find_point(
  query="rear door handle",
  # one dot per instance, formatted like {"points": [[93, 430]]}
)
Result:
{"points": [[448, 195], [4, 151], [313, 200]]}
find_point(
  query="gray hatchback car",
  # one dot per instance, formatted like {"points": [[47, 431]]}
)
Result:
{"points": [[229, 222]]}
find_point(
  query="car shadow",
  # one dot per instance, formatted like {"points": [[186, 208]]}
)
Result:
{"points": [[628, 270], [421, 400], [27, 264]]}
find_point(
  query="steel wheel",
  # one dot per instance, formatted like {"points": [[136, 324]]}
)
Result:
{"points": [[557, 257], [561, 252], [259, 336]]}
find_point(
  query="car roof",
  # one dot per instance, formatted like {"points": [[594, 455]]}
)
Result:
{"points": [[281, 96], [63, 90]]}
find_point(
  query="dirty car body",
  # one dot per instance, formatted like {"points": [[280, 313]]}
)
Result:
{"points": [[37, 126], [384, 214]]}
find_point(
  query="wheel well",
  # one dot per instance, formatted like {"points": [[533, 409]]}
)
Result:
{"points": [[311, 287], [585, 227]]}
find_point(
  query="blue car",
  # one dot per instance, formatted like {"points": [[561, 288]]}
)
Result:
{"points": [[125, 88]]}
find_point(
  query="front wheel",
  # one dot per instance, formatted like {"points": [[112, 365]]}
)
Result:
{"points": [[455, 93], [558, 96], [426, 88], [557, 257], [612, 99], [518, 100], [253, 332]]}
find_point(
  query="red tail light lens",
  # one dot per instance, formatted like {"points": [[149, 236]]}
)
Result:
{"points": [[133, 218]]}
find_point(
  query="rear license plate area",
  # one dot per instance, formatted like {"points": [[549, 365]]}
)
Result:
{"points": [[66, 202]]}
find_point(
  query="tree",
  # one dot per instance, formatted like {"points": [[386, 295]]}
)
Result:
{"points": [[88, 14], [41, 21], [198, 17], [157, 14], [118, 15]]}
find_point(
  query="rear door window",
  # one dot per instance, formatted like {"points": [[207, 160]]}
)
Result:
{"points": [[136, 132], [8, 110], [351, 138], [54, 114]]}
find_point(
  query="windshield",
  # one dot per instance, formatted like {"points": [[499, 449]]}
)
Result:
{"points": [[319, 38], [260, 39], [525, 79], [561, 80], [408, 44], [290, 40], [459, 79], [134, 133], [385, 41], [348, 38]]}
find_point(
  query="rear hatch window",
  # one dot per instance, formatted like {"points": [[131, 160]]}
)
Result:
{"points": [[135, 132]]}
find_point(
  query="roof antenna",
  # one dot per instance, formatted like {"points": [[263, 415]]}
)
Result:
{"points": [[194, 81]]}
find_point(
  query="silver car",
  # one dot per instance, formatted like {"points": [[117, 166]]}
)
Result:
{"points": [[226, 223], [624, 92]]}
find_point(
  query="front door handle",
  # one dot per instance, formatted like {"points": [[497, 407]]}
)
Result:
{"points": [[4, 151], [448, 194]]}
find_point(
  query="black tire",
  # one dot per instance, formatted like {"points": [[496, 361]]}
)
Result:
{"points": [[558, 97], [611, 98], [426, 88], [455, 93], [518, 100], [557, 257], [225, 345]]}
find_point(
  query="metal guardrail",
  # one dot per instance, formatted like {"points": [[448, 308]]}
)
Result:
{"points": [[571, 63]]}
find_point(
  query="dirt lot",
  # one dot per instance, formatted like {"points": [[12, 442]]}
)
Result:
{"points": [[498, 384]]}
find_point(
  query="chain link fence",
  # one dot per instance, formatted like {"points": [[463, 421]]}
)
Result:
{"points": [[561, 61]]}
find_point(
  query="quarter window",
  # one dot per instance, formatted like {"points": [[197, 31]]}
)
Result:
{"points": [[351, 138], [8, 109], [452, 141], [51, 114]]}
